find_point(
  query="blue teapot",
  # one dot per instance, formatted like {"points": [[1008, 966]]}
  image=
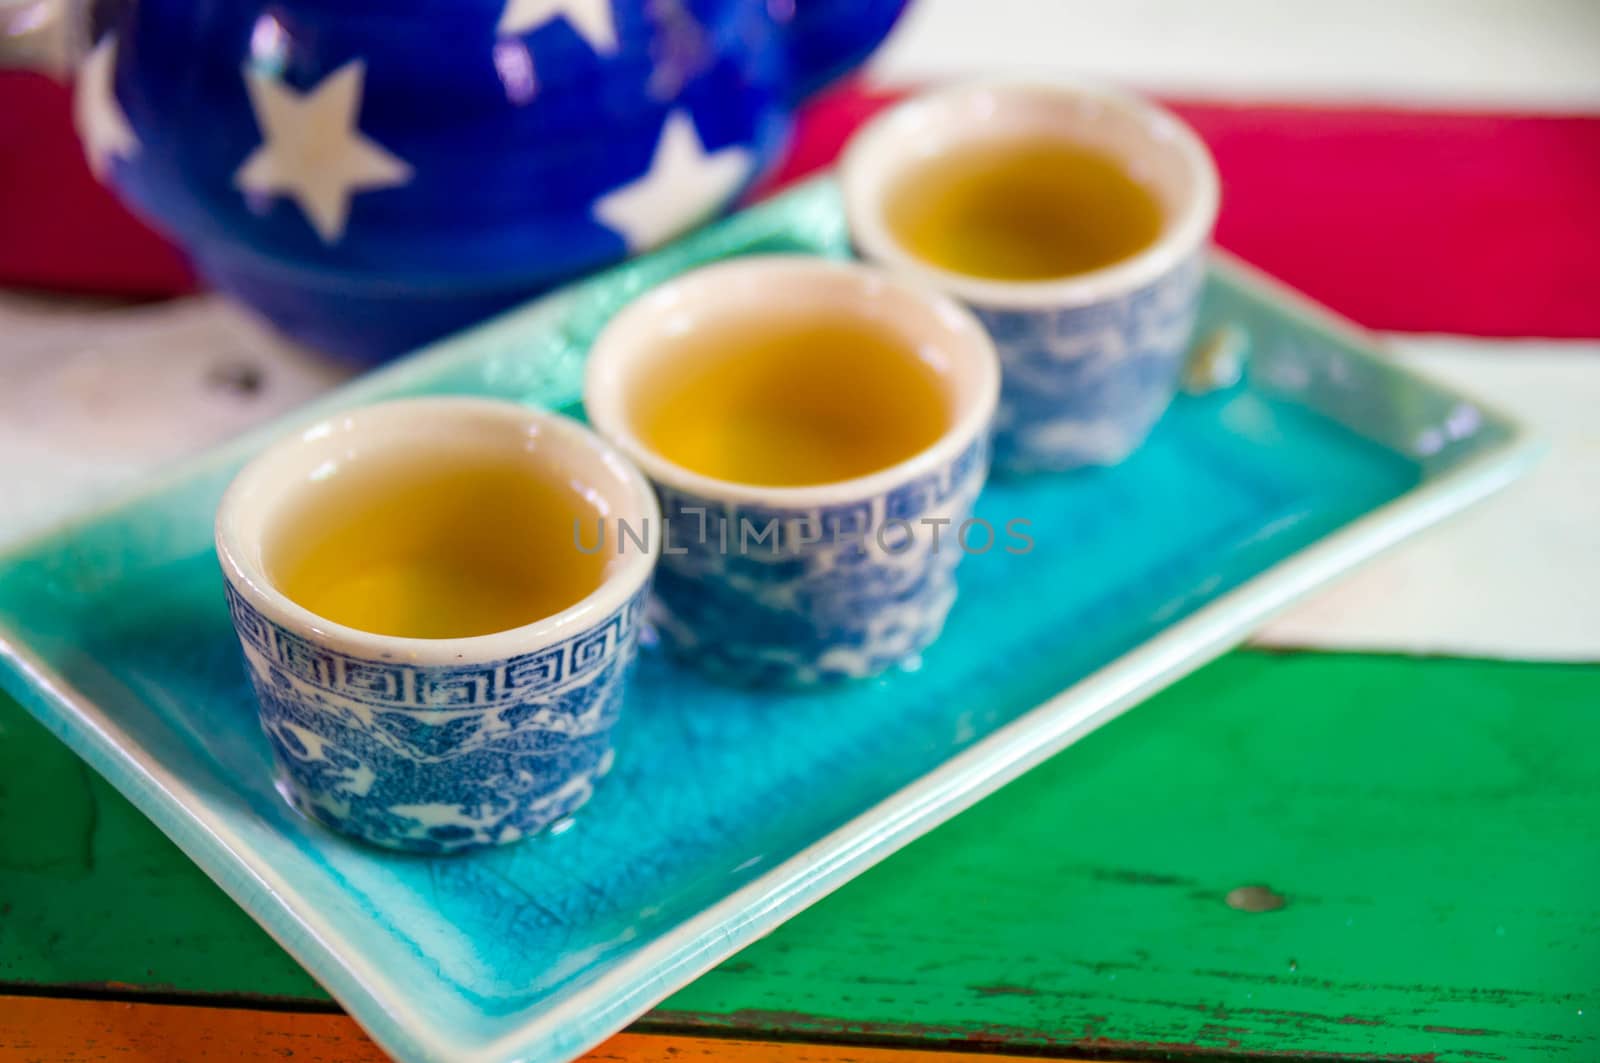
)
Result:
{"points": [[371, 174]]}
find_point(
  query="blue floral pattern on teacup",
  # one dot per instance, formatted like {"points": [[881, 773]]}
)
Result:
{"points": [[1084, 385], [791, 597], [438, 758]]}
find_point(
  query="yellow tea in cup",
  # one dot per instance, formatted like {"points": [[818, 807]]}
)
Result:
{"points": [[1026, 208], [774, 398], [436, 545]]}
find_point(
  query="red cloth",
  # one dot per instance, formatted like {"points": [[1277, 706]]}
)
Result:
{"points": [[1415, 221], [58, 227], [1418, 221]]}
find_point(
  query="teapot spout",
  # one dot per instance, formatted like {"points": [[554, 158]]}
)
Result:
{"points": [[828, 38]]}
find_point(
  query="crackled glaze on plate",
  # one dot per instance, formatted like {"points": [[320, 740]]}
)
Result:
{"points": [[728, 811]]}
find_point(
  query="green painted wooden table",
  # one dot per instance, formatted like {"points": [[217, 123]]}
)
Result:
{"points": [[1426, 834]]}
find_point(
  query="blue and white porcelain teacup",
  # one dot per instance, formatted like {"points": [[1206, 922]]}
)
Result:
{"points": [[797, 585], [1092, 360], [435, 744]]}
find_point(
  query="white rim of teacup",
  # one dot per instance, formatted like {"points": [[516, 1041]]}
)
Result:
{"points": [[271, 477], [943, 119], [740, 284]]}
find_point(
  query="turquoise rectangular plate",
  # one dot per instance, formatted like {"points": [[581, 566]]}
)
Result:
{"points": [[730, 811]]}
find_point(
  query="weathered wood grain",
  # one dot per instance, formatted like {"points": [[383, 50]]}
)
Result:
{"points": [[1431, 826], [35, 1029], [92, 892], [39, 1029]]}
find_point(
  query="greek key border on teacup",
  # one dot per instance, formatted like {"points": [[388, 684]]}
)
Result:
{"points": [[420, 687], [852, 519]]}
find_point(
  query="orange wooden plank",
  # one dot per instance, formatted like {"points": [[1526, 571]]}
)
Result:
{"points": [[50, 1030], [39, 1029]]}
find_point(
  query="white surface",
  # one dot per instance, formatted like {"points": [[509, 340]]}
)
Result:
{"points": [[1529, 53], [93, 396], [1516, 577]]}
